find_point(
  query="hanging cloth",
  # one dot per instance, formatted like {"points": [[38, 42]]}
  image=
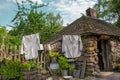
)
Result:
{"points": [[30, 46], [72, 46]]}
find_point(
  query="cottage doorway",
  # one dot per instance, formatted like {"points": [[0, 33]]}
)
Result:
{"points": [[103, 55]]}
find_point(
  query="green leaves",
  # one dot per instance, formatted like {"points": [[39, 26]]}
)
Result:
{"points": [[11, 69], [64, 64], [30, 19], [54, 54], [108, 10], [8, 39], [30, 65]]}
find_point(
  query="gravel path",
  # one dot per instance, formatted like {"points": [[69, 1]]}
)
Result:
{"points": [[106, 76], [102, 76]]}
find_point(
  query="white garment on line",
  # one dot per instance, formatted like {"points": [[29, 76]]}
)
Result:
{"points": [[72, 46], [30, 46]]}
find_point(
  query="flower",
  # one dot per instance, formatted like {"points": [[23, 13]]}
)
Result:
{"points": [[23, 62], [29, 65]]}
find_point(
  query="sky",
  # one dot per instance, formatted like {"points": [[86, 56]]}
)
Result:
{"points": [[69, 10]]}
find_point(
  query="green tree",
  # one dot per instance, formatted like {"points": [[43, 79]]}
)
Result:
{"points": [[8, 39], [29, 19], [109, 10], [53, 25], [3, 33]]}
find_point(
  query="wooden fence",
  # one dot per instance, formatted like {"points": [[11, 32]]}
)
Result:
{"points": [[13, 53]]}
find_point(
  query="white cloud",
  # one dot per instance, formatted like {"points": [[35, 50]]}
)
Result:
{"points": [[39, 1], [70, 10]]}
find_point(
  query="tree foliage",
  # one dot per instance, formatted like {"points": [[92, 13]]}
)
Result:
{"points": [[53, 25], [29, 19], [7, 39], [109, 10]]}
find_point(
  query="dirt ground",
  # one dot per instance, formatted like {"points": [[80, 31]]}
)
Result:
{"points": [[105, 76], [102, 76]]}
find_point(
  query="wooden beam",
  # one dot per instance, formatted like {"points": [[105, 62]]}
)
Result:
{"points": [[83, 68], [104, 37]]}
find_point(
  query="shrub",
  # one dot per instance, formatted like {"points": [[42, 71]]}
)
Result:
{"points": [[11, 70], [64, 64], [53, 54], [30, 65]]}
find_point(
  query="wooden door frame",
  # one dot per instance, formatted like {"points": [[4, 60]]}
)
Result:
{"points": [[105, 51]]}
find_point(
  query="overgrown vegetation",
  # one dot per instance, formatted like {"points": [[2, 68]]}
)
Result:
{"points": [[64, 64], [30, 19], [8, 39], [11, 70]]}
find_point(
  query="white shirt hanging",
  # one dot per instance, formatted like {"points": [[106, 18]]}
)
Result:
{"points": [[72, 46], [30, 46]]}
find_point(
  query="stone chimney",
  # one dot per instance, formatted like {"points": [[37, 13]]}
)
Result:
{"points": [[91, 13]]}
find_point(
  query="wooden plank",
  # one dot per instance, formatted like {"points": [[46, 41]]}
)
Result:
{"points": [[7, 47], [50, 70], [38, 59], [80, 59], [4, 52], [19, 52], [107, 56], [103, 54], [44, 62], [82, 75], [104, 37], [3, 40], [15, 48], [41, 59], [0, 54]]}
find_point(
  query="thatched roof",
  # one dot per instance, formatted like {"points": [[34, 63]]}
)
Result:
{"points": [[85, 25]]}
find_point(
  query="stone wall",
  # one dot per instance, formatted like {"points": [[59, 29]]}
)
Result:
{"points": [[57, 46], [89, 51], [90, 45], [115, 50]]}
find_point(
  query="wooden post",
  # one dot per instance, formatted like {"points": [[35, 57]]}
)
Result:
{"points": [[19, 52], [83, 68], [15, 55], [38, 59], [2, 40], [11, 52], [44, 61], [0, 54], [41, 60], [7, 47], [3, 51]]}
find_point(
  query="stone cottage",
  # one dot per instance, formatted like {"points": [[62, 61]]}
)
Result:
{"points": [[101, 42]]}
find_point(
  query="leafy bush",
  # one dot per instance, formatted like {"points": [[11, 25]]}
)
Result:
{"points": [[53, 54], [11, 70], [8, 39], [26, 66], [29, 66], [64, 64]]}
